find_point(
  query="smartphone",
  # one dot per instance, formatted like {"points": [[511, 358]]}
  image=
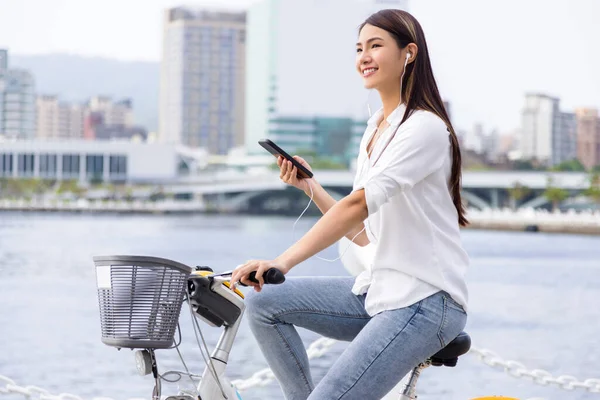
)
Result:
{"points": [[277, 151]]}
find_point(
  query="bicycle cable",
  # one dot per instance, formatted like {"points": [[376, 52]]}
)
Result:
{"points": [[209, 364], [180, 373]]}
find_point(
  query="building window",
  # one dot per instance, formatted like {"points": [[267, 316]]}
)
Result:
{"points": [[70, 166], [118, 167], [94, 166], [6, 164], [48, 165], [25, 164]]}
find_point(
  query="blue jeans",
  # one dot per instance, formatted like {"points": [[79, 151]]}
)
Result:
{"points": [[384, 347]]}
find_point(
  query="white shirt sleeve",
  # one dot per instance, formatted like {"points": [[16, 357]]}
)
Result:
{"points": [[417, 150]]}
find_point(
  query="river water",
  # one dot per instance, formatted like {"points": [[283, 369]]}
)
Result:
{"points": [[534, 298]]}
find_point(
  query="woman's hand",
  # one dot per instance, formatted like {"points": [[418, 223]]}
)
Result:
{"points": [[288, 173], [241, 272]]}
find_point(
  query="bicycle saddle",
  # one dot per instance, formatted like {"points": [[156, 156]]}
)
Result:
{"points": [[448, 356]]}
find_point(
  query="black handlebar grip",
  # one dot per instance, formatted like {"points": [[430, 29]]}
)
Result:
{"points": [[272, 276]]}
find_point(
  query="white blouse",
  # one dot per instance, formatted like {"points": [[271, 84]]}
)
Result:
{"points": [[412, 221]]}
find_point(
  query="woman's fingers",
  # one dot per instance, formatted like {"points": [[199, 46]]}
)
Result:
{"points": [[284, 172], [290, 169], [283, 169], [241, 273]]}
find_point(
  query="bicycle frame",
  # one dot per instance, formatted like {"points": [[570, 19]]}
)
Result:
{"points": [[209, 388]]}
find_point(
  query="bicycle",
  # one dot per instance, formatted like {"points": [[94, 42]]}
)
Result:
{"points": [[140, 300]]}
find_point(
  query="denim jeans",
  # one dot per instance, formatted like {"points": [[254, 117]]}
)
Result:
{"points": [[383, 348]]}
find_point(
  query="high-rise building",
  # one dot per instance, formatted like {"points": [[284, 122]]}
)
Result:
{"points": [[537, 127], [17, 100], [301, 67], [56, 119], [588, 136], [47, 115], [203, 79], [547, 134], [564, 140]]}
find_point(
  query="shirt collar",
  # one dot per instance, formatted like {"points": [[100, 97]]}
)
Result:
{"points": [[395, 116]]}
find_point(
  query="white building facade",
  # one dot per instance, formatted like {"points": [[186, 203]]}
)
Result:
{"points": [[85, 161]]}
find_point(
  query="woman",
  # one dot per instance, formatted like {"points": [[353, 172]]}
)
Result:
{"points": [[411, 301]]}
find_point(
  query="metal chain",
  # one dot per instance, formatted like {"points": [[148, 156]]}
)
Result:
{"points": [[319, 348], [538, 376]]}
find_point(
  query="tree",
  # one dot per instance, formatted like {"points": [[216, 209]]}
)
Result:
{"points": [[596, 168], [594, 190], [572, 165], [523, 165], [71, 186], [516, 193], [555, 195]]}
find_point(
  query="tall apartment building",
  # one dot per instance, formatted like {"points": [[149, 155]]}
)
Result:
{"points": [[17, 100], [301, 73], [547, 134], [202, 98], [56, 119], [588, 136], [564, 140]]}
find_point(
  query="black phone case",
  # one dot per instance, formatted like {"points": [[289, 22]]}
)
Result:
{"points": [[277, 151]]}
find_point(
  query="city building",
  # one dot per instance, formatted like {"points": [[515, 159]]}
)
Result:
{"points": [[77, 159], [301, 66], [114, 113], [473, 139], [96, 128], [56, 119], [203, 79], [334, 138], [17, 100], [547, 134], [59, 119], [588, 136], [490, 145], [564, 139]]}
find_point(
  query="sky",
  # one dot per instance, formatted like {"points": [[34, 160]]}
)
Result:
{"points": [[485, 54]]}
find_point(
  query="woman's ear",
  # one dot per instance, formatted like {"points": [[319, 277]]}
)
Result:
{"points": [[413, 50]]}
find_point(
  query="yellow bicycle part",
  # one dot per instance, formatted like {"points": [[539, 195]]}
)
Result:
{"points": [[226, 283]]}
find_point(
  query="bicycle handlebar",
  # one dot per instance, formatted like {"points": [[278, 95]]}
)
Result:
{"points": [[271, 276]]}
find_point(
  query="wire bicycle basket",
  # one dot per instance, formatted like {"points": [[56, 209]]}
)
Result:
{"points": [[140, 300]]}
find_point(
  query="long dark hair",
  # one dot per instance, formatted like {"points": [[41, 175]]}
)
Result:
{"points": [[419, 89]]}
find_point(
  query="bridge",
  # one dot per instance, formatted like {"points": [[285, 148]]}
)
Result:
{"points": [[481, 189]]}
